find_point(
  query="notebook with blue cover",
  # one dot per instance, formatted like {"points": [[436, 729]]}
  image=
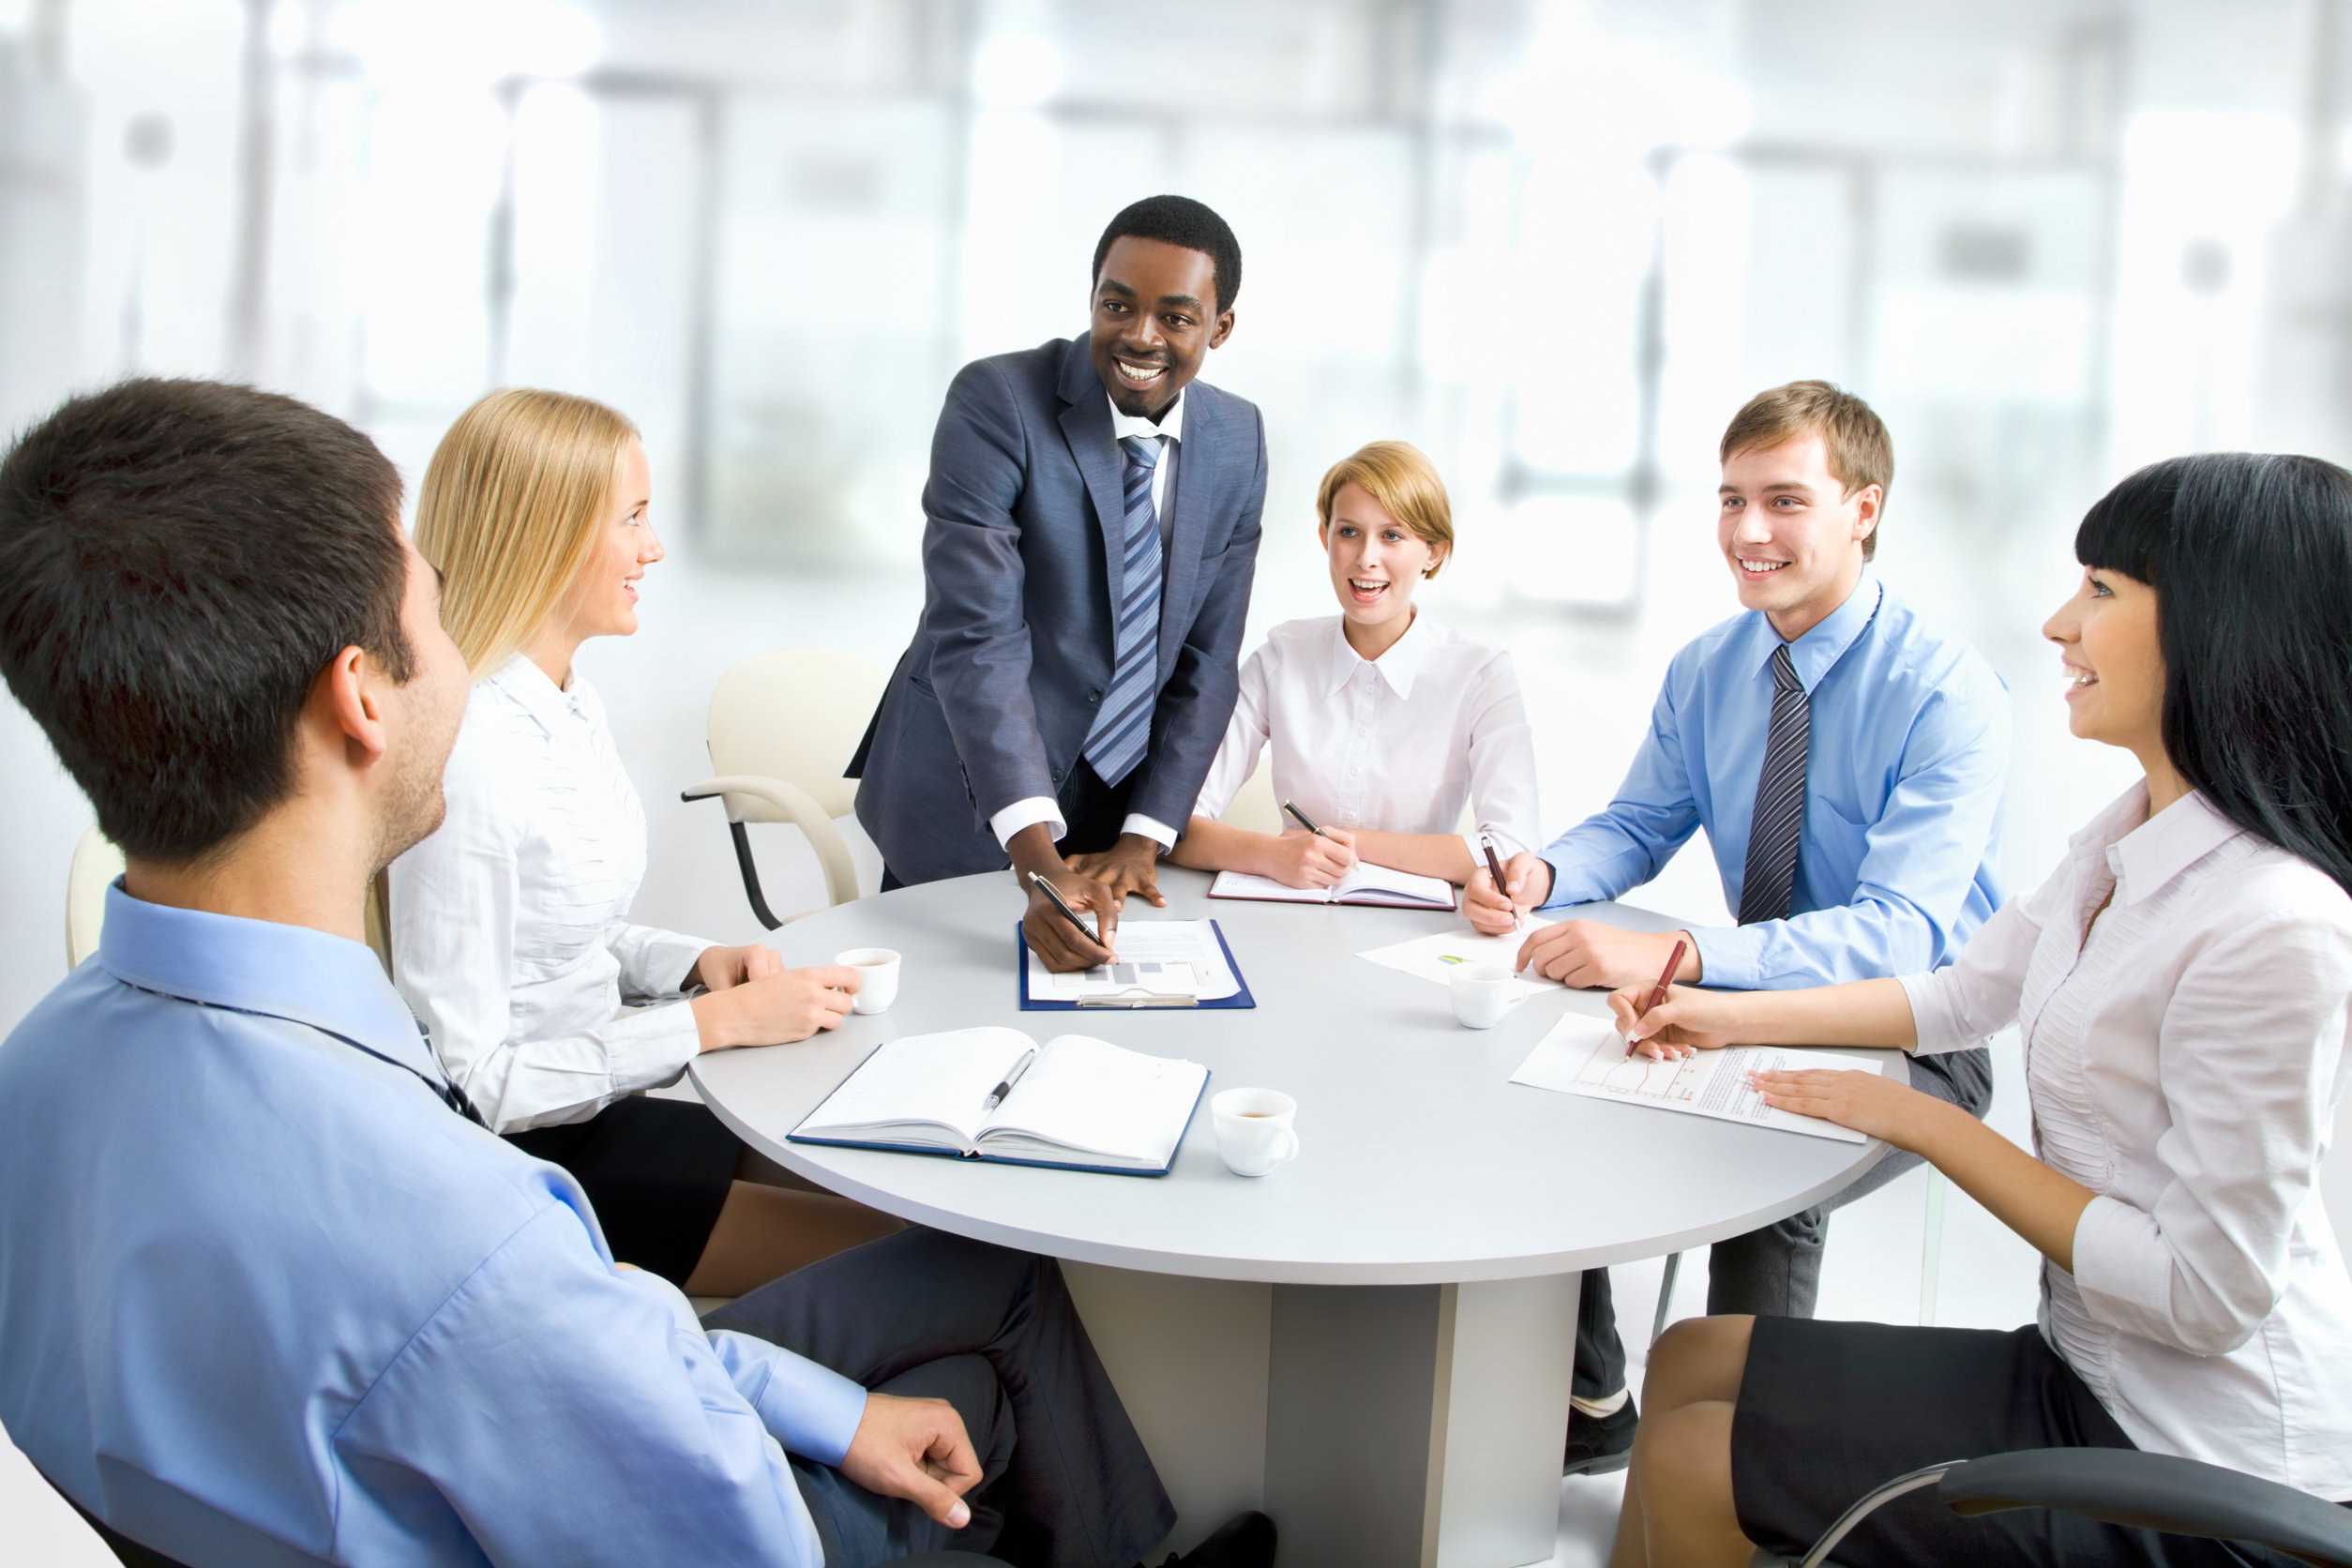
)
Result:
{"points": [[1073, 1103], [1146, 948]]}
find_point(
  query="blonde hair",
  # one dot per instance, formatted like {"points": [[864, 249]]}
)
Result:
{"points": [[1405, 482], [510, 509]]}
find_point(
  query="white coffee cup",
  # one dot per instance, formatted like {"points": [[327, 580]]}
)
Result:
{"points": [[1255, 1134], [877, 976], [1481, 994]]}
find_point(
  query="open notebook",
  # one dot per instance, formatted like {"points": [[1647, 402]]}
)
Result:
{"points": [[1363, 884], [1082, 1104]]}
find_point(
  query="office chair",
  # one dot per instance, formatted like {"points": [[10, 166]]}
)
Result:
{"points": [[95, 864], [2117, 1486], [782, 727]]}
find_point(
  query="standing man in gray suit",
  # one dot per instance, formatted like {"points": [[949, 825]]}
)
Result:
{"points": [[1092, 528]]}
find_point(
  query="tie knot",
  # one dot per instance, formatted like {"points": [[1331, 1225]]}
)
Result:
{"points": [[1142, 450], [1784, 671]]}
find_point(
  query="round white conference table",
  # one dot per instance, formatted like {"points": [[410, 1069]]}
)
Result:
{"points": [[1375, 1342]]}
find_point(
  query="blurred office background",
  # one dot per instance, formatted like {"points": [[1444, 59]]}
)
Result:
{"points": [[1554, 243]]}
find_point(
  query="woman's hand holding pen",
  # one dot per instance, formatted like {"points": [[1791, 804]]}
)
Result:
{"points": [[1688, 1019], [1526, 883], [1298, 858]]}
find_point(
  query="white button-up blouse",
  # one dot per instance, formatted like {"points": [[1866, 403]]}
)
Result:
{"points": [[509, 930], [2185, 1054], [1395, 744]]}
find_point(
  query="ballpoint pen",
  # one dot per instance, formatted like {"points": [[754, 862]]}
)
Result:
{"points": [[996, 1095], [1657, 996], [1494, 869], [1305, 821], [1083, 921]]}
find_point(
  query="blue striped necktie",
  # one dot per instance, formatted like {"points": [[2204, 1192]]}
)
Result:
{"points": [[1123, 728], [1777, 828]]}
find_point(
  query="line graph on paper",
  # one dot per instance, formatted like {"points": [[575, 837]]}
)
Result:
{"points": [[1639, 1078]]}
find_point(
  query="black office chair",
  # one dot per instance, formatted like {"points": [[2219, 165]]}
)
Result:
{"points": [[2122, 1487]]}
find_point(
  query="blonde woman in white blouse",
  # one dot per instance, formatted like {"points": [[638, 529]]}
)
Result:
{"points": [[509, 930], [2180, 983], [1382, 723]]}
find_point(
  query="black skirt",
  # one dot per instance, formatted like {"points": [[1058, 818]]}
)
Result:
{"points": [[1828, 1411], [655, 1171]]}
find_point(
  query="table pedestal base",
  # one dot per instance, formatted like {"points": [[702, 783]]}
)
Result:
{"points": [[1382, 1426]]}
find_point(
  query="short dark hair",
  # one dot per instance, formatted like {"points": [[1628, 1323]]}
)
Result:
{"points": [[1179, 220], [179, 561], [2251, 558], [1853, 437]]}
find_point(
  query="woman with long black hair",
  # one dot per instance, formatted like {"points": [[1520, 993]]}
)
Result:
{"points": [[2182, 984]]}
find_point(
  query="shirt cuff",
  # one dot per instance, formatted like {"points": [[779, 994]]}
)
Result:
{"points": [[1730, 958], [1931, 1022], [1027, 813], [2124, 1270], [1150, 827], [667, 963], [811, 1409]]}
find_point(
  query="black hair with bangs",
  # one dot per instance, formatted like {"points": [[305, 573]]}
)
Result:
{"points": [[2251, 558]]}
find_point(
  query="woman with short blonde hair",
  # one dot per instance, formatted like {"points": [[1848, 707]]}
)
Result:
{"points": [[508, 926], [1382, 723]]}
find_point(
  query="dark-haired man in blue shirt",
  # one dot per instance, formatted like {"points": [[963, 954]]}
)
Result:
{"points": [[269, 1293]]}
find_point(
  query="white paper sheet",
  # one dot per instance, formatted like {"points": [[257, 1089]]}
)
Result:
{"points": [[1146, 949], [1434, 958], [1585, 1055]]}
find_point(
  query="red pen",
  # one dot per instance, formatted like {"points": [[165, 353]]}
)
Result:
{"points": [[1657, 996]]}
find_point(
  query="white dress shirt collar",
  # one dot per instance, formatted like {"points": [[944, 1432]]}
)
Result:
{"points": [[1172, 424], [2144, 858], [540, 697], [1397, 666]]}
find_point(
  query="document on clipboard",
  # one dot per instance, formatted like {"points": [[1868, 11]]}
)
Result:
{"points": [[1161, 963]]}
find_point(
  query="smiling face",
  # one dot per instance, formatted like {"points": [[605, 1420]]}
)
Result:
{"points": [[1792, 537], [1376, 561], [1155, 320], [2110, 645], [602, 601]]}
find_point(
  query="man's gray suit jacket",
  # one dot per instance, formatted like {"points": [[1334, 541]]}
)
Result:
{"points": [[1024, 527]]}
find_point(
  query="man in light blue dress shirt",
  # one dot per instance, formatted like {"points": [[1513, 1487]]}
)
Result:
{"points": [[268, 1294], [1847, 764]]}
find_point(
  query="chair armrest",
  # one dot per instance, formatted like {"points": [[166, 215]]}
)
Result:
{"points": [[754, 799], [2154, 1491]]}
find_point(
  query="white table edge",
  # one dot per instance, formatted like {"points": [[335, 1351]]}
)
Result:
{"points": [[1271, 1270]]}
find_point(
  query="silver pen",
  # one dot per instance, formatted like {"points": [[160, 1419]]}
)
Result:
{"points": [[996, 1095]]}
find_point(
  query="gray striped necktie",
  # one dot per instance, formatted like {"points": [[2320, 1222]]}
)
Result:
{"points": [[1123, 728], [1779, 820]]}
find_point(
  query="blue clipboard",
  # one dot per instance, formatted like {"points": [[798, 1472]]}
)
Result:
{"points": [[796, 1135], [1020, 985]]}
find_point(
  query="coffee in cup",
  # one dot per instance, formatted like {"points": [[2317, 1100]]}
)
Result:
{"points": [[877, 976], [1255, 1135]]}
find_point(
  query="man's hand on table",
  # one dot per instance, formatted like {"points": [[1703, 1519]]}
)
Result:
{"points": [[1061, 947], [914, 1449], [1527, 881], [1589, 956], [1130, 866]]}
